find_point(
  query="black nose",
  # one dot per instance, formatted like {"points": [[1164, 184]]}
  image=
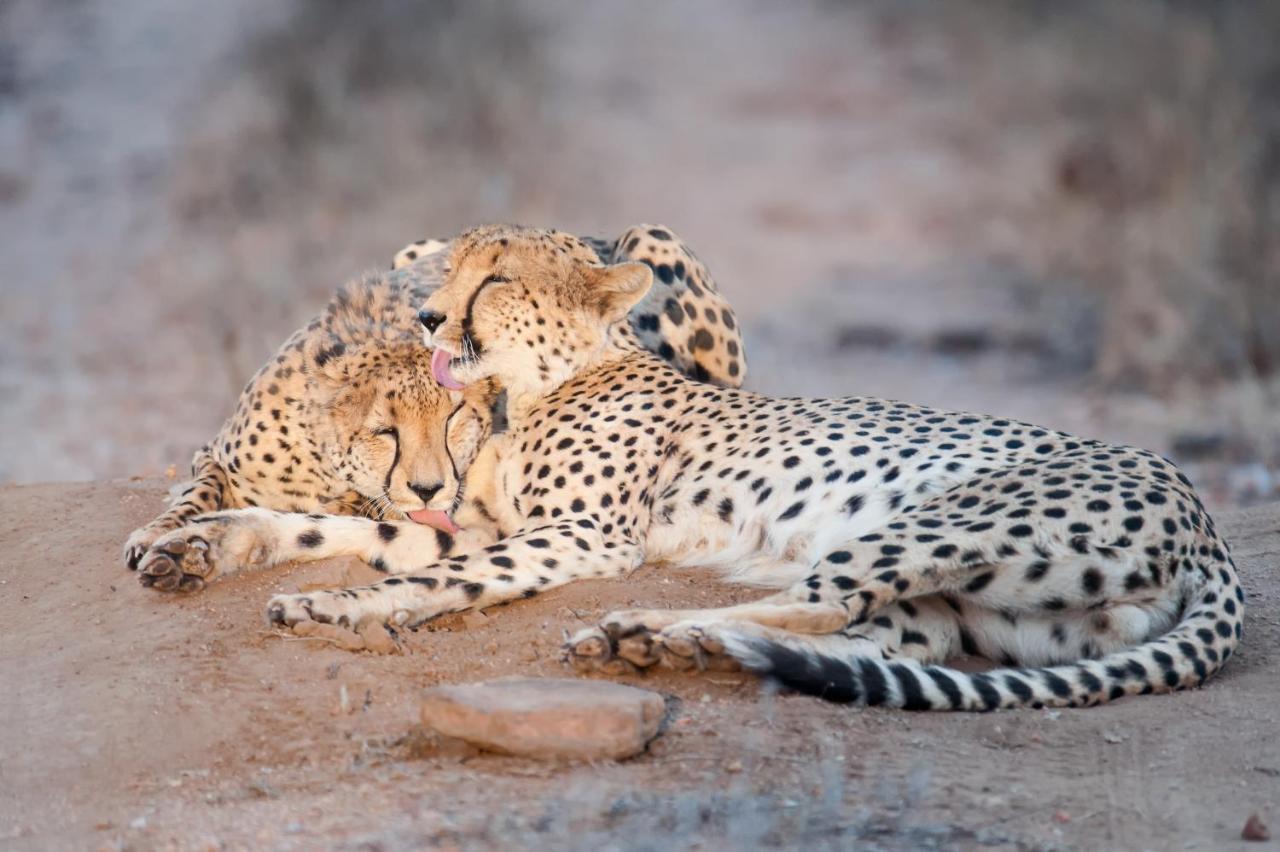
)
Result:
{"points": [[425, 492], [430, 319]]}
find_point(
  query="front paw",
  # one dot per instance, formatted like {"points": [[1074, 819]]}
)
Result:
{"points": [[176, 563], [319, 607], [189, 557]]}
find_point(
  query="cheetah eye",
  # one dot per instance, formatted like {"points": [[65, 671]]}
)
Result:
{"points": [[496, 279], [389, 431]]}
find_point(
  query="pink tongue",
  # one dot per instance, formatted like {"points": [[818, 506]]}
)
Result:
{"points": [[434, 518], [440, 370]]}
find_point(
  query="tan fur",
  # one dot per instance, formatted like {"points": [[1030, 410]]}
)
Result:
{"points": [[308, 433], [898, 535], [305, 434]]}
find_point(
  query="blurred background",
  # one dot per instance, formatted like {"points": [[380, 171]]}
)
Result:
{"points": [[1066, 213]]}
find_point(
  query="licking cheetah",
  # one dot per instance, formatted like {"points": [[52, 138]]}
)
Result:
{"points": [[898, 535], [347, 419]]}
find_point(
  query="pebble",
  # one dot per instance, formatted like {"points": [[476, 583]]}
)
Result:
{"points": [[377, 638], [547, 718], [344, 639], [1255, 829], [474, 619]]}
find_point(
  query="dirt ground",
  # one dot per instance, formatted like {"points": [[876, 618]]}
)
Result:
{"points": [[132, 720]]}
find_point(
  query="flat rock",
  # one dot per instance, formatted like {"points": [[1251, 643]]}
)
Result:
{"points": [[547, 717]]}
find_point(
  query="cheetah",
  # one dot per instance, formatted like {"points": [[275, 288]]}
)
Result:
{"points": [[897, 536], [347, 420]]}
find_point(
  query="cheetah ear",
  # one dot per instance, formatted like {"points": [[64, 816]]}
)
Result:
{"points": [[329, 364], [615, 290], [325, 357]]}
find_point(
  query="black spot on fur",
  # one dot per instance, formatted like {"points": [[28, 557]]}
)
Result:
{"points": [[310, 538]]}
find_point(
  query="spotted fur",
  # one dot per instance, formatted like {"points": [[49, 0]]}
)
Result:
{"points": [[347, 420], [899, 535]]}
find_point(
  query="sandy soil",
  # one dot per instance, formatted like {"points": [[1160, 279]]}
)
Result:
{"points": [[132, 720]]}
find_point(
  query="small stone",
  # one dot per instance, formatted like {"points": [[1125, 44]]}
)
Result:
{"points": [[1061, 816], [1255, 829], [377, 638], [343, 707], [262, 790], [547, 717], [343, 638], [734, 766]]}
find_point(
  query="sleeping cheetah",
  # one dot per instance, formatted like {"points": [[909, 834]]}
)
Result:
{"points": [[899, 535], [347, 420]]}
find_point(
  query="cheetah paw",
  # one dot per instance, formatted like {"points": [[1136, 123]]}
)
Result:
{"points": [[686, 646], [607, 649], [620, 645], [176, 564], [319, 607]]}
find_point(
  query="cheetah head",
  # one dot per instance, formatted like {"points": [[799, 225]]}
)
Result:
{"points": [[528, 307], [393, 434]]}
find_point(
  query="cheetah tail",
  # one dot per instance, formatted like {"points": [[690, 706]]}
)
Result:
{"points": [[1186, 656]]}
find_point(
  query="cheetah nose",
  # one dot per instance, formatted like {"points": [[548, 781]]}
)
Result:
{"points": [[431, 320], [425, 492]]}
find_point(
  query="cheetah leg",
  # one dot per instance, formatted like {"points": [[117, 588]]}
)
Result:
{"points": [[207, 491], [516, 567], [223, 543]]}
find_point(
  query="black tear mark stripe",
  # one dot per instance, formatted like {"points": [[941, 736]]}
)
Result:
{"points": [[395, 460], [468, 328]]}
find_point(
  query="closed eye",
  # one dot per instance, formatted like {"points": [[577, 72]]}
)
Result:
{"points": [[389, 431], [495, 279]]}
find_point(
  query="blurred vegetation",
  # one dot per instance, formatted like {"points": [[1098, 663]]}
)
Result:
{"points": [[1167, 212], [1083, 197], [425, 75], [1170, 193]]}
